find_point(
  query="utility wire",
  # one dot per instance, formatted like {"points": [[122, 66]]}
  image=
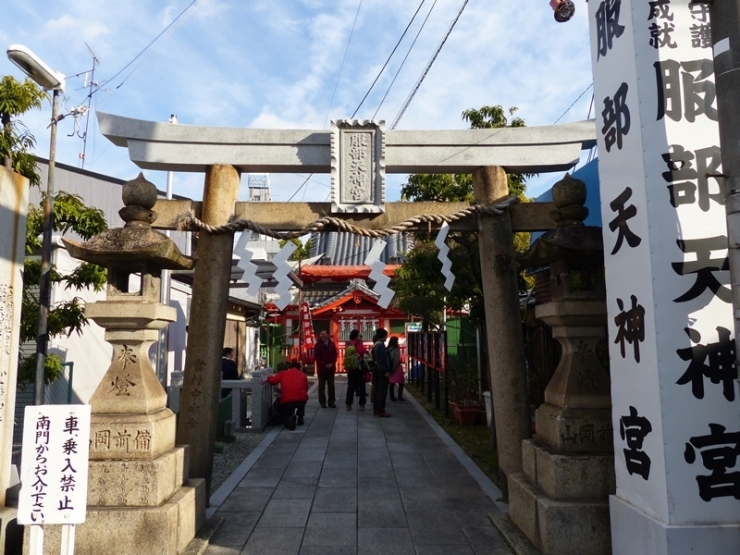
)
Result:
{"points": [[144, 50], [573, 104], [341, 67], [428, 67], [405, 58], [389, 59], [376, 78]]}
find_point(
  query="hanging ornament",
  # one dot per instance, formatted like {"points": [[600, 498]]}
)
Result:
{"points": [[282, 269], [245, 255], [376, 274], [442, 256]]}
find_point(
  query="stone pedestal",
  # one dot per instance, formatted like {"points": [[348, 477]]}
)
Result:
{"points": [[140, 499], [560, 499]]}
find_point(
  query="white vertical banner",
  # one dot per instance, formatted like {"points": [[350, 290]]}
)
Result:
{"points": [[676, 407], [54, 459]]}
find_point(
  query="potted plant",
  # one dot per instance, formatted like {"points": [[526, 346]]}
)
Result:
{"points": [[463, 395]]}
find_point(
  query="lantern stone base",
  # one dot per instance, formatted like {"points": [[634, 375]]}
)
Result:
{"points": [[636, 533], [577, 527], [163, 530], [560, 501], [574, 430], [132, 436]]}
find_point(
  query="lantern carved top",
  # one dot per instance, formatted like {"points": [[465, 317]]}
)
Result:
{"points": [[135, 243]]}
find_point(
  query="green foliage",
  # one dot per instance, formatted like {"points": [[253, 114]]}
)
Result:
{"points": [[419, 283], [302, 252], [16, 141], [70, 215]]}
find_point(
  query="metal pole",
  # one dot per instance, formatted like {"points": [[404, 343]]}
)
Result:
{"points": [[725, 21], [164, 297], [42, 334]]}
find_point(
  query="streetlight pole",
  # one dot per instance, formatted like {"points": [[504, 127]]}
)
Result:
{"points": [[48, 79]]}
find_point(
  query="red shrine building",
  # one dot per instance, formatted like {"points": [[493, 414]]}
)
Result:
{"points": [[338, 300]]}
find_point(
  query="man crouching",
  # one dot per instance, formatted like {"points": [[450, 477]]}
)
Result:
{"points": [[293, 394]]}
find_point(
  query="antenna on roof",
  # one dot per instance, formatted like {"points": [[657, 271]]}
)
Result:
{"points": [[85, 110]]}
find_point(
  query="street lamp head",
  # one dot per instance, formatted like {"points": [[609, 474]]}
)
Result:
{"points": [[35, 68]]}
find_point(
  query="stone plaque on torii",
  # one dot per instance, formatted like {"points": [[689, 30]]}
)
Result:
{"points": [[358, 154]]}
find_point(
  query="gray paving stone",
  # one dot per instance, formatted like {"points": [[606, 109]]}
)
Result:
{"points": [[235, 528], [272, 460], [338, 478], [275, 541], [384, 541], [331, 550], [285, 513], [293, 490], [262, 477], [444, 550], [247, 499], [314, 442], [407, 446], [303, 469], [331, 529], [309, 454], [380, 512], [409, 476], [407, 460], [335, 500], [433, 528], [340, 460], [422, 498], [380, 468]]}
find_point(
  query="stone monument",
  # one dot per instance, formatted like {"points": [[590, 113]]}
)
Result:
{"points": [[13, 208], [560, 501], [138, 479]]}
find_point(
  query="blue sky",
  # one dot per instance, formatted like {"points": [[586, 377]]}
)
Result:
{"points": [[286, 64]]}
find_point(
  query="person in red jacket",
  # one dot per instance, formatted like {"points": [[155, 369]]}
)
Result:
{"points": [[293, 394], [325, 356]]}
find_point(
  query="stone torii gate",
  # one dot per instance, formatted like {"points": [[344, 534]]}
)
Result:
{"points": [[353, 151]]}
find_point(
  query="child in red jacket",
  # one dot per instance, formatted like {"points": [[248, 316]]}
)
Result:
{"points": [[293, 394]]}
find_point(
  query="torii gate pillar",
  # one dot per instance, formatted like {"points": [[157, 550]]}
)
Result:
{"points": [[208, 313], [505, 341]]}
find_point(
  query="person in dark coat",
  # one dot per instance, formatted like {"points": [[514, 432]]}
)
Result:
{"points": [[356, 379], [229, 370], [381, 373], [325, 356]]}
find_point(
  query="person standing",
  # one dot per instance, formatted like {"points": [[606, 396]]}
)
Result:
{"points": [[381, 372], [229, 370], [394, 353], [293, 394], [325, 355], [356, 378]]}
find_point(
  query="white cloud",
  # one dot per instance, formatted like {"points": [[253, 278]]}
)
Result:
{"points": [[264, 63]]}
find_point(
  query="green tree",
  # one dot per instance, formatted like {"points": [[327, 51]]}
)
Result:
{"points": [[302, 252], [70, 214], [420, 278], [16, 141]]}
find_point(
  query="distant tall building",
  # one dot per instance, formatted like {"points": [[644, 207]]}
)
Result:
{"points": [[259, 187]]}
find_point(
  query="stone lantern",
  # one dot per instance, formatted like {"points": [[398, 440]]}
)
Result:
{"points": [[138, 479], [561, 500]]}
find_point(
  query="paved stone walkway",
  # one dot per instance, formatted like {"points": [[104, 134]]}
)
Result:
{"points": [[349, 483]]}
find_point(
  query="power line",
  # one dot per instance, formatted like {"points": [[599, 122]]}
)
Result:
{"points": [[144, 50], [388, 60], [573, 104], [405, 58], [341, 67], [428, 67]]}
